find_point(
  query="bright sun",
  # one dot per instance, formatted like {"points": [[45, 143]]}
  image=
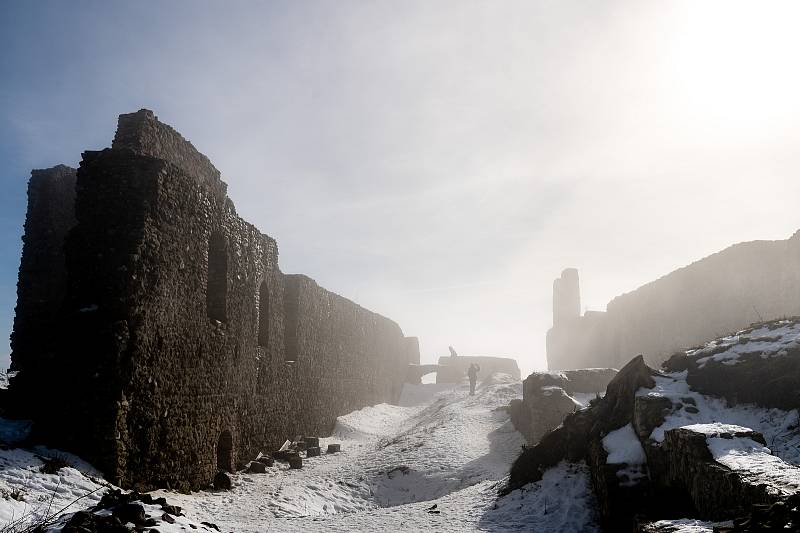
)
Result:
{"points": [[736, 61]]}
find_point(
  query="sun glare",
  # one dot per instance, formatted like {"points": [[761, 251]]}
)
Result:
{"points": [[735, 60]]}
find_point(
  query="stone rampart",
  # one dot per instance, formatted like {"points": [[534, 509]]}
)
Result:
{"points": [[725, 292], [182, 348]]}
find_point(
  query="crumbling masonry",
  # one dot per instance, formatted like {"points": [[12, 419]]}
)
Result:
{"points": [[155, 334]]}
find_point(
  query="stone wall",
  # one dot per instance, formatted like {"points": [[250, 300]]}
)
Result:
{"points": [[412, 350], [745, 283], [42, 279], [348, 356], [566, 296], [182, 348]]}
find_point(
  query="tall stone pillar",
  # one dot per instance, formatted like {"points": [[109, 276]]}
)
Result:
{"points": [[566, 297]]}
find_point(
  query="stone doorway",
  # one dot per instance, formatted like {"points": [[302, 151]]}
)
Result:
{"points": [[225, 452]]}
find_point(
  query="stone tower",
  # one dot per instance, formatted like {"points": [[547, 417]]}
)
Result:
{"points": [[566, 296]]}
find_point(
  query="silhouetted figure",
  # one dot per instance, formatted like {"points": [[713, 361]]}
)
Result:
{"points": [[473, 377], [452, 352]]}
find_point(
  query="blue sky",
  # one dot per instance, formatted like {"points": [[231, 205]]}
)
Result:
{"points": [[438, 162]]}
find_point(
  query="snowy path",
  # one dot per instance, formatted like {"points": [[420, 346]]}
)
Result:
{"points": [[441, 446]]}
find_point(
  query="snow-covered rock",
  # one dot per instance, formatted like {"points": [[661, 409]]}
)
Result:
{"points": [[758, 365]]}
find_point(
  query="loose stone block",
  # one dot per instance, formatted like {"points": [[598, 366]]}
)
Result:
{"points": [[334, 448], [222, 481], [313, 451], [257, 467]]}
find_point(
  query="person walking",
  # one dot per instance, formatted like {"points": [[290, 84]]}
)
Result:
{"points": [[453, 352], [473, 377]]}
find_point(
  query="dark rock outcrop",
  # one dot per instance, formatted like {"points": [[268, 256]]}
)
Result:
{"points": [[546, 398], [681, 477], [572, 439], [222, 481], [125, 508], [765, 379]]}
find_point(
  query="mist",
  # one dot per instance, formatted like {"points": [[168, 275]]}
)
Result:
{"points": [[439, 163]]}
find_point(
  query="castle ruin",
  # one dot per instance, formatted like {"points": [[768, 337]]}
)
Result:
{"points": [[155, 334], [745, 283]]}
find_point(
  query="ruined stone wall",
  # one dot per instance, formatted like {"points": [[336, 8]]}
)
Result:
{"points": [[412, 350], [349, 357], [142, 133], [720, 294], [171, 362], [566, 296], [195, 378], [583, 342], [42, 280], [105, 281]]}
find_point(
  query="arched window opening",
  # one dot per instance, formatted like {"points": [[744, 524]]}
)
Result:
{"points": [[217, 288], [263, 315], [225, 452]]}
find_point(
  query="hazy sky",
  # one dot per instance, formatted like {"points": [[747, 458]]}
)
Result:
{"points": [[437, 162]]}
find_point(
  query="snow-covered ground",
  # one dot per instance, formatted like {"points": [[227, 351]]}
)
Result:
{"points": [[433, 463], [771, 340], [28, 494], [688, 525], [774, 465], [780, 428]]}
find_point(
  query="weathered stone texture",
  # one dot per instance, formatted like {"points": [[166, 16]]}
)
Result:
{"points": [[142, 133], [171, 362], [718, 492], [42, 276], [348, 355]]}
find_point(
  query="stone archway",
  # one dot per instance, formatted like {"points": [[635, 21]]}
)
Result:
{"points": [[225, 452], [414, 372]]}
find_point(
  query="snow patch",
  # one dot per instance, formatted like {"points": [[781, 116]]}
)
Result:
{"points": [[584, 398], [746, 455], [780, 428], [783, 336], [688, 525], [623, 447], [715, 429], [562, 501]]}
